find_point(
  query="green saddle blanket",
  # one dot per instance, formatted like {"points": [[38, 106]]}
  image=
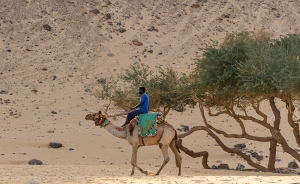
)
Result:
{"points": [[148, 123]]}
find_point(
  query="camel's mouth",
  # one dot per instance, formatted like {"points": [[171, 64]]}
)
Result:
{"points": [[89, 117]]}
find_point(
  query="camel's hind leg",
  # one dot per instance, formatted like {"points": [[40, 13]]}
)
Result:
{"points": [[177, 156], [134, 160], [164, 149]]}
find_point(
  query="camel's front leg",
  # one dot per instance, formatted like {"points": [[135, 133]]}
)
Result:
{"points": [[164, 149], [134, 160]]}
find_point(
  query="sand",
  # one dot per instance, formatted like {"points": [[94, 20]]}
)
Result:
{"points": [[48, 76]]}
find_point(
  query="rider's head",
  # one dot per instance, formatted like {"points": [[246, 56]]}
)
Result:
{"points": [[142, 90]]}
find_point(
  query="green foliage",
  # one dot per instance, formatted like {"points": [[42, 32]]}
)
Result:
{"points": [[163, 88], [245, 67]]}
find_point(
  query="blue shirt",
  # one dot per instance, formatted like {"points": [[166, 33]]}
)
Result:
{"points": [[145, 103]]}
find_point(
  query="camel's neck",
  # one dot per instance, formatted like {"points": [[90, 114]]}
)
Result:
{"points": [[115, 132]]}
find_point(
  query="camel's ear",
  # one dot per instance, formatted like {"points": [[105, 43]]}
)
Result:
{"points": [[100, 112]]}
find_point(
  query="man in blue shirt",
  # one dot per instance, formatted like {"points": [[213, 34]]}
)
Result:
{"points": [[143, 106]]}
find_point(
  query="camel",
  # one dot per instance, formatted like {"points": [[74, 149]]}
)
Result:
{"points": [[166, 137]]}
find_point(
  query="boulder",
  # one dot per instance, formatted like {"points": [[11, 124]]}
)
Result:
{"points": [[293, 165], [223, 166], [35, 162], [55, 144]]}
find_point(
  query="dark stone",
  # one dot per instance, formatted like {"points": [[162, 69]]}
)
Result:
{"points": [[47, 27], [223, 166], [8, 50], [71, 149], [44, 11], [240, 167], [55, 145], [152, 29], [240, 146], [214, 167], [35, 162], [202, 1], [160, 53], [108, 16], [110, 54], [28, 50], [53, 112], [101, 81], [277, 15], [137, 43], [50, 131], [95, 11], [195, 6], [54, 77], [179, 108], [44, 69], [225, 15], [185, 128], [259, 157], [3, 92], [0, 99], [293, 165], [254, 154], [121, 30]]}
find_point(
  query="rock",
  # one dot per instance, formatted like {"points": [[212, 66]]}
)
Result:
{"points": [[185, 128], [225, 15], [232, 154], [223, 166], [101, 81], [179, 129], [28, 50], [240, 146], [50, 131], [44, 11], [121, 30], [257, 162], [110, 54], [3, 92], [195, 6], [160, 53], [54, 77], [240, 167], [0, 99], [95, 11], [277, 15], [293, 165], [179, 108], [53, 112], [202, 1], [277, 159], [35, 162], [44, 69], [137, 43], [8, 50], [259, 157], [55, 145], [71, 149], [108, 16], [254, 154], [152, 29], [214, 167], [47, 27]]}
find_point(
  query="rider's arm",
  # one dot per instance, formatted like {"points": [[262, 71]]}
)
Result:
{"points": [[138, 105]]}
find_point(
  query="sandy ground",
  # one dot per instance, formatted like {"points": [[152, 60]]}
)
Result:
{"points": [[45, 71]]}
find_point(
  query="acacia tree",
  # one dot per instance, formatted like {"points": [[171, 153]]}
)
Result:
{"points": [[242, 73], [162, 86]]}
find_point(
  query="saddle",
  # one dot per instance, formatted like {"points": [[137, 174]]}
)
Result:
{"points": [[147, 123]]}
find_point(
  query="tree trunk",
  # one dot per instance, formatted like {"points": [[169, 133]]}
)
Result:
{"points": [[273, 144]]}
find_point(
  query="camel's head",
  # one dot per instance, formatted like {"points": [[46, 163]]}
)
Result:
{"points": [[99, 118]]}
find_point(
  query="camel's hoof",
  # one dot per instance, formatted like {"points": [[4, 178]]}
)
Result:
{"points": [[131, 174]]}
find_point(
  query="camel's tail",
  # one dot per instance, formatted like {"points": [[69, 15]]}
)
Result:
{"points": [[176, 141]]}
